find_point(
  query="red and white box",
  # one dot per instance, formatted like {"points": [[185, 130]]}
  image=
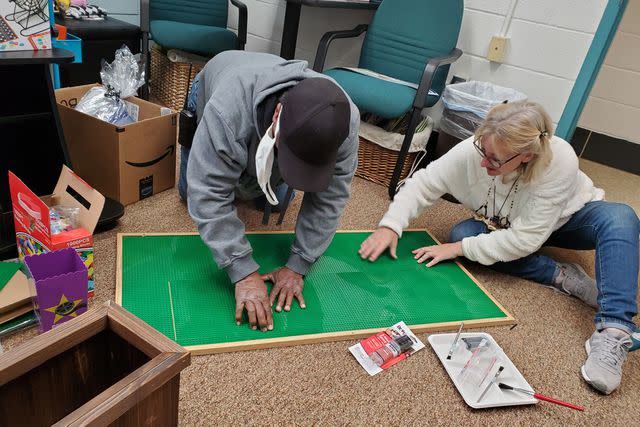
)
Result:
{"points": [[365, 351], [33, 224]]}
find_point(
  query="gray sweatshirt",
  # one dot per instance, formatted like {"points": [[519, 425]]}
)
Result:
{"points": [[233, 84]]}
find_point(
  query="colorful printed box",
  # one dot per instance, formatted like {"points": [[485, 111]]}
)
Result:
{"points": [[378, 352], [33, 223], [24, 25], [58, 282]]}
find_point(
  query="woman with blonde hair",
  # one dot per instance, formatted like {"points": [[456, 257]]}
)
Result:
{"points": [[526, 191]]}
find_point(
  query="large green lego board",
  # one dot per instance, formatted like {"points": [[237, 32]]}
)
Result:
{"points": [[171, 282]]}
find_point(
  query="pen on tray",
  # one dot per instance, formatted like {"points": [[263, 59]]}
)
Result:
{"points": [[493, 380], [541, 397], [493, 362], [455, 342]]}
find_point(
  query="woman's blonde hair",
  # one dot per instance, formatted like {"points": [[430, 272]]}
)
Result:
{"points": [[522, 127]]}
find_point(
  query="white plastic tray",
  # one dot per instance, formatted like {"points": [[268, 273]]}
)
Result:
{"points": [[441, 343]]}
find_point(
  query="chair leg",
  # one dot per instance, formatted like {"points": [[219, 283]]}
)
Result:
{"points": [[147, 65], [285, 205], [267, 213], [406, 143]]}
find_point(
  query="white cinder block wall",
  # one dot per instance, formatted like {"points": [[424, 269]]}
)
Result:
{"points": [[266, 19], [614, 105], [549, 40]]}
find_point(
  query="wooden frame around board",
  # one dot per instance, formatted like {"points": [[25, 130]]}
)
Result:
{"points": [[324, 337]]}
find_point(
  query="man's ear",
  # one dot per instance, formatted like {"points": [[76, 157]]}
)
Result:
{"points": [[274, 120], [276, 113]]}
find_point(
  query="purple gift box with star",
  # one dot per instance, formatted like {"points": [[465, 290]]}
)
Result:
{"points": [[59, 286]]}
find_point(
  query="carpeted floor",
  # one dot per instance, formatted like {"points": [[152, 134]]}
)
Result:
{"points": [[323, 384]]}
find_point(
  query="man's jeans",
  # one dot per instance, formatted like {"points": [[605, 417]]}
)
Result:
{"points": [[613, 230]]}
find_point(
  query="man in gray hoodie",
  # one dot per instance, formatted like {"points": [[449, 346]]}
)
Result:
{"points": [[263, 119]]}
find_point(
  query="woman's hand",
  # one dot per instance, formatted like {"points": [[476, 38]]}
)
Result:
{"points": [[438, 253], [378, 242]]}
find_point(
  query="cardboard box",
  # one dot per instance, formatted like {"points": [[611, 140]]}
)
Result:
{"points": [[127, 163], [24, 25], [33, 224]]}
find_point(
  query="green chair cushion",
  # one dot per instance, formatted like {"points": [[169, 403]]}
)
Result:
{"points": [[405, 34], [377, 96], [212, 13], [201, 39]]}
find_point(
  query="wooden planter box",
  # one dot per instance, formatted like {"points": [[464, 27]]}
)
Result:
{"points": [[104, 367]]}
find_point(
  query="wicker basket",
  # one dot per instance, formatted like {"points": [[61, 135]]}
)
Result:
{"points": [[169, 81], [376, 163]]}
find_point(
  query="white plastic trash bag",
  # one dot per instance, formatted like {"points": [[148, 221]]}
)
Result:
{"points": [[478, 97]]}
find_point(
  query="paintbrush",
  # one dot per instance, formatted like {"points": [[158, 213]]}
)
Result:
{"points": [[541, 397]]}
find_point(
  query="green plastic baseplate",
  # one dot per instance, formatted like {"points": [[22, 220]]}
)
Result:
{"points": [[171, 282]]}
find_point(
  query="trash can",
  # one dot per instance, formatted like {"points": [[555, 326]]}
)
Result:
{"points": [[466, 105]]}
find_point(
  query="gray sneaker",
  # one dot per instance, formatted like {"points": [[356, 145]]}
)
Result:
{"points": [[606, 353], [573, 280]]}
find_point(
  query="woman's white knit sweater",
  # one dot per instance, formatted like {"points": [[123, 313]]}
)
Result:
{"points": [[539, 207]]}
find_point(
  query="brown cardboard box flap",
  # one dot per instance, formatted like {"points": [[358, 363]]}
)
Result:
{"points": [[71, 190], [70, 96], [15, 293]]}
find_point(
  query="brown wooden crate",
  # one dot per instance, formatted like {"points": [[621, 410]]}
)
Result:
{"points": [[106, 367]]}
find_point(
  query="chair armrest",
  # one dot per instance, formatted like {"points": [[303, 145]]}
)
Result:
{"points": [[144, 16], [242, 22], [327, 38], [429, 71]]}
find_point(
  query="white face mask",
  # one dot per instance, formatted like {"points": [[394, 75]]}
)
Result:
{"points": [[264, 162]]}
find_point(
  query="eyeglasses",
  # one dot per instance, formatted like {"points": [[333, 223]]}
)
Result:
{"points": [[497, 164]]}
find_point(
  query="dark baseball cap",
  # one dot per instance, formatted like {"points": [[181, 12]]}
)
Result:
{"points": [[314, 122]]}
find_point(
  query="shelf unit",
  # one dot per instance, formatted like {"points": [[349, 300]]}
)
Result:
{"points": [[32, 141]]}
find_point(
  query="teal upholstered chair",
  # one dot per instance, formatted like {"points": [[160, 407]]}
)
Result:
{"points": [[197, 26], [409, 40]]}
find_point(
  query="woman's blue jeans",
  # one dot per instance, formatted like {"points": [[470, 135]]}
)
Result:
{"points": [[613, 230]]}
